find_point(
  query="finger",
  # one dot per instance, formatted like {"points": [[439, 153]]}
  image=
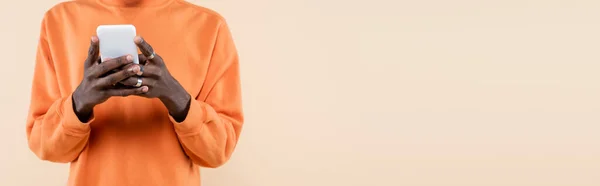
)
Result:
{"points": [[146, 49], [150, 71], [141, 71], [118, 69], [142, 58], [118, 76], [93, 52], [132, 81], [111, 71], [129, 65], [108, 65], [126, 91], [144, 46]]}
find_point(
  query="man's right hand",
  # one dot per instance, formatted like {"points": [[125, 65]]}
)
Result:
{"points": [[98, 84]]}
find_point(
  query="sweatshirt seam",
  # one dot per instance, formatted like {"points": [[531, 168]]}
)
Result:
{"points": [[45, 40], [158, 6], [211, 62], [72, 132], [184, 135], [190, 131]]}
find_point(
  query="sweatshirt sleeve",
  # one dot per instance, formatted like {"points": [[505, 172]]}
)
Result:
{"points": [[54, 132], [212, 127]]}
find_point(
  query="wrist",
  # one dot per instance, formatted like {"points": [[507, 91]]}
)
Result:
{"points": [[176, 101], [175, 96], [177, 104], [82, 110]]}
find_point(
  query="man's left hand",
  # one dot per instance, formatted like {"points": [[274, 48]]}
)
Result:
{"points": [[161, 84]]}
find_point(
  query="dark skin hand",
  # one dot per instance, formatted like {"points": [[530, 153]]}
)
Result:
{"points": [[98, 84], [161, 84]]}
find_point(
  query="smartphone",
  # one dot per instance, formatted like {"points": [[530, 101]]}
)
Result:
{"points": [[116, 41]]}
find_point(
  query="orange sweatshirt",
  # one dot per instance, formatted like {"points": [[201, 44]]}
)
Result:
{"points": [[133, 140]]}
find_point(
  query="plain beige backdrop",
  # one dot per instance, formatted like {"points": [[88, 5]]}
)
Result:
{"points": [[379, 93]]}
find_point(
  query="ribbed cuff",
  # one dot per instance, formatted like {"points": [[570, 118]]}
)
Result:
{"points": [[71, 122], [196, 118]]}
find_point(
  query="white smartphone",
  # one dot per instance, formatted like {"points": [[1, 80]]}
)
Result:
{"points": [[116, 41]]}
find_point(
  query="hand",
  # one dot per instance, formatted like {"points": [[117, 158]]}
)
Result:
{"points": [[98, 81], [161, 84]]}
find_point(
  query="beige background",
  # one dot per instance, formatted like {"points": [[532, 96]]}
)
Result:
{"points": [[380, 92]]}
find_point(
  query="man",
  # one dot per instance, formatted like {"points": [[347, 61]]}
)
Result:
{"points": [[120, 123]]}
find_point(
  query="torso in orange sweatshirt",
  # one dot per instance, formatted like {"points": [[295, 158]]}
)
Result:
{"points": [[133, 140]]}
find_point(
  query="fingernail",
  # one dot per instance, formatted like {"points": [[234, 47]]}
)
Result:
{"points": [[144, 89], [134, 69], [94, 39], [137, 39], [129, 58]]}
